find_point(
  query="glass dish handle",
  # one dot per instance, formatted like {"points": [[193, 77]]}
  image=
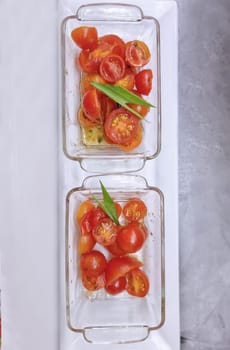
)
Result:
{"points": [[109, 12]]}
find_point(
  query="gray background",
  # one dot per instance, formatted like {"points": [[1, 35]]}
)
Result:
{"points": [[204, 129]]}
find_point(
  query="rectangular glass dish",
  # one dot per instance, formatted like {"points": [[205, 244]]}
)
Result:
{"points": [[129, 23], [122, 318]]}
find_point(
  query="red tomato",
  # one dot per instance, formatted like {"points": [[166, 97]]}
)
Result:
{"points": [[137, 283], [96, 215], [111, 39], [135, 142], [85, 223], [115, 249], [119, 267], [105, 232], [142, 110], [128, 80], [85, 37], [88, 62], [118, 209], [121, 126], [91, 106], [84, 208], [134, 210], [87, 79], [137, 53], [112, 68], [131, 237], [143, 81], [86, 243], [117, 286], [107, 105], [93, 263], [93, 283]]}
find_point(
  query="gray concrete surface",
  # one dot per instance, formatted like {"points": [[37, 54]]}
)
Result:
{"points": [[204, 124]]}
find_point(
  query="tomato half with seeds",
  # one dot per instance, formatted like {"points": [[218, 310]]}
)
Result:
{"points": [[117, 286], [112, 68], [93, 283], [87, 62], [131, 237], [136, 141], [85, 37], [119, 266], [121, 126], [91, 106], [93, 263], [134, 210], [143, 81], [137, 283], [137, 53], [105, 232]]}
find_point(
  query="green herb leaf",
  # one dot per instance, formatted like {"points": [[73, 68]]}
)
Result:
{"points": [[108, 205], [122, 96]]}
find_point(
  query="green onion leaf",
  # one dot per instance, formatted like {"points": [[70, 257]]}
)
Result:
{"points": [[122, 96], [107, 205]]}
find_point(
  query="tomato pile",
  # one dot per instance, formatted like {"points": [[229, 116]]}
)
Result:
{"points": [[108, 59], [121, 271]]}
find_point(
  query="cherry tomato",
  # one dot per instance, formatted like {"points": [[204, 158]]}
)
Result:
{"points": [[142, 110], [87, 79], [115, 249], [143, 81], [85, 223], [85, 37], [86, 243], [128, 80], [84, 208], [88, 62], [137, 283], [105, 232], [111, 39], [117, 286], [112, 68], [118, 209], [91, 106], [96, 215], [83, 120], [93, 263], [137, 53], [107, 105], [93, 283], [121, 126], [131, 237], [135, 142], [134, 210], [119, 266]]}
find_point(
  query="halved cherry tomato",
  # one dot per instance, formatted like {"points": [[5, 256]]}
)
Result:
{"points": [[112, 68], [93, 263], [87, 79], [131, 237], [91, 106], [93, 283], [85, 37], [107, 105], [137, 283], [137, 53], [121, 126], [128, 80], [134, 210], [86, 243], [135, 142], [87, 62], [119, 267], [143, 81], [96, 215], [111, 39], [83, 120], [105, 232], [142, 110], [84, 208], [115, 249], [117, 286]]}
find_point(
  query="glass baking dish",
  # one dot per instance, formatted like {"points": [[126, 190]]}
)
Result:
{"points": [[123, 318], [128, 22]]}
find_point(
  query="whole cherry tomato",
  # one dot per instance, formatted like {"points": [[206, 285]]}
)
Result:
{"points": [[131, 237], [117, 286], [143, 81], [134, 210], [85, 37], [86, 243], [137, 283], [105, 232], [121, 126], [93, 263]]}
